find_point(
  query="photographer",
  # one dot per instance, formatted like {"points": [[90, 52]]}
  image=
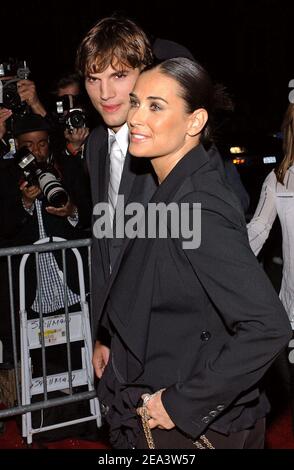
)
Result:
{"points": [[27, 216], [18, 96], [32, 131], [71, 113]]}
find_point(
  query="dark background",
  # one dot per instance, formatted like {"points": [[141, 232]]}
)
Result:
{"points": [[246, 45]]}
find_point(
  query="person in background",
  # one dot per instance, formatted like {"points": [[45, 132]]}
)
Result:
{"points": [[69, 84], [69, 141], [189, 348], [75, 138], [28, 215], [277, 199]]}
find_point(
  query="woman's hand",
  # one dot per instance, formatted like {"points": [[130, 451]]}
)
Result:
{"points": [[158, 417], [100, 358]]}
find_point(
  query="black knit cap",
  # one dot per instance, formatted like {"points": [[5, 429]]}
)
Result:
{"points": [[30, 123], [164, 49]]}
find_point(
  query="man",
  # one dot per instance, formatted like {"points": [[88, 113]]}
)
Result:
{"points": [[32, 132], [70, 86], [111, 57], [27, 216], [67, 85]]}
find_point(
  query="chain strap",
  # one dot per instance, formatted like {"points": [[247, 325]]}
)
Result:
{"points": [[146, 427], [203, 443]]}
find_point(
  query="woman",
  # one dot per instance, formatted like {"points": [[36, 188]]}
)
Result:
{"points": [[277, 198], [202, 325]]}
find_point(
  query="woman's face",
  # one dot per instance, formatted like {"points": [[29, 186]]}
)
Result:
{"points": [[157, 120]]}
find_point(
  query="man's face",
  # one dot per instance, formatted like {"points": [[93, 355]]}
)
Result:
{"points": [[37, 142], [109, 92]]}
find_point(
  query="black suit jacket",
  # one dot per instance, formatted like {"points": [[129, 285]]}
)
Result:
{"points": [[203, 323], [137, 184]]}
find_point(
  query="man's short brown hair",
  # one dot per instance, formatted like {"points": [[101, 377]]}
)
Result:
{"points": [[113, 41]]}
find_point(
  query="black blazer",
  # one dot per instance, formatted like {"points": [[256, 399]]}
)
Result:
{"points": [[138, 184], [204, 323]]}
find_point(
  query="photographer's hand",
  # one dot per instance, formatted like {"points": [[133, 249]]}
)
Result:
{"points": [[28, 93], [29, 194], [69, 210], [4, 115], [76, 138]]}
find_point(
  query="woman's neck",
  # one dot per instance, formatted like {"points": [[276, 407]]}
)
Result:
{"points": [[164, 165]]}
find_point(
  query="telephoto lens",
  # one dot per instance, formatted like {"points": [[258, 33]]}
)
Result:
{"points": [[52, 189], [45, 177]]}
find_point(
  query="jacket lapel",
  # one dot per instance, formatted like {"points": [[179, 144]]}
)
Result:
{"points": [[175, 183], [127, 178]]}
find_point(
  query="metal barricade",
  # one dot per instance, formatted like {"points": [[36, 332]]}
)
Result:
{"points": [[48, 331]]}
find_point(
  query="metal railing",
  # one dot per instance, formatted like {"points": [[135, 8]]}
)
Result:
{"points": [[72, 397]]}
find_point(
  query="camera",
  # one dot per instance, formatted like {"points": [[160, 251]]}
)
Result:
{"points": [[70, 114], [44, 176], [75, 119], [10, 73]]}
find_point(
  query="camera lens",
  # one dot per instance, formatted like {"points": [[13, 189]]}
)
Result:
{"points": [[76, 118], [11, 99], [52, 189]]}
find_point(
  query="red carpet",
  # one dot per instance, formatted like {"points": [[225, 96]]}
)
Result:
{"points": [[12, 439], [279, 433], [279, 436]]}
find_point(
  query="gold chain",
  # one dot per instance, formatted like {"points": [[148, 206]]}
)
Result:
{"points": [[202, 443], [146, 427], [205, 444]]}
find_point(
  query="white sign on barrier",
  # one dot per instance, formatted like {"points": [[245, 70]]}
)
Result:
{"points": [[59, 381], [55, 330]]}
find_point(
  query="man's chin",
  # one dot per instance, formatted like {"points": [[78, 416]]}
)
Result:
{"points": [[114, 121]]}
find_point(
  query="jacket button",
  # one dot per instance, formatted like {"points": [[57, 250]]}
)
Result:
{"points": [[220, 407], [205, 335], [104, 409], [206, 419]]}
